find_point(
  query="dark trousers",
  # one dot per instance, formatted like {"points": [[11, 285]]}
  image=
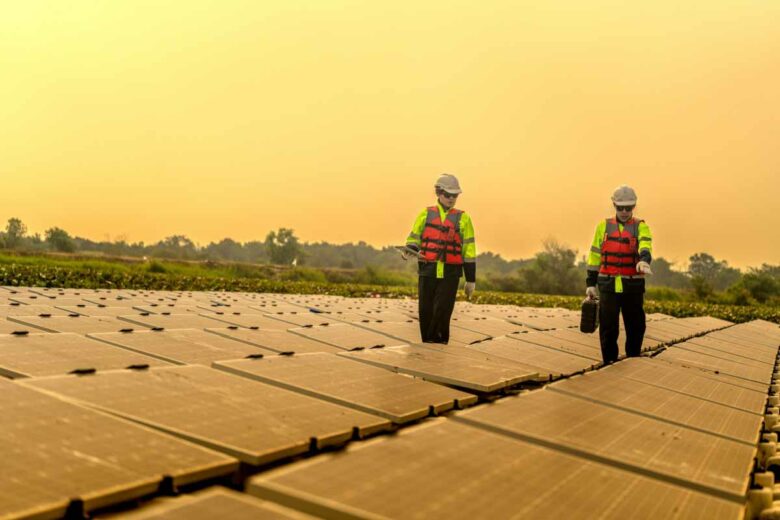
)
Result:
{"points": [[436, 298], [610, 305]]}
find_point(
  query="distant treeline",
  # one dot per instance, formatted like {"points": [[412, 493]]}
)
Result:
{"points": [[554, 270]]}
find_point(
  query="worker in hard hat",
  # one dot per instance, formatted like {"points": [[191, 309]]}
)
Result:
{"points": [[619, 260], [442, 238]]}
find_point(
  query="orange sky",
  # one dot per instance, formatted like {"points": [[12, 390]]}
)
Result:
{"points": [[220, 118]]}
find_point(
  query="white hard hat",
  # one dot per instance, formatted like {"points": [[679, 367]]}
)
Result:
{"points": [[624, 196], [448, 183]]}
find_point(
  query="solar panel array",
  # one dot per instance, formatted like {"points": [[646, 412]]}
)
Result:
{"points": [[108, 396]]}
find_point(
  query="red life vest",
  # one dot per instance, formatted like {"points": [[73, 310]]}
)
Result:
{"points": [[620, 249], [442, 240]]}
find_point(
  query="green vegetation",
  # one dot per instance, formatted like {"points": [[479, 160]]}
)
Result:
{"points": [[83, 272]]}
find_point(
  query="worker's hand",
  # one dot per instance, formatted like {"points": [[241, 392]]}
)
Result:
{"points": [[643, 268], [469, 289], [592, 293]]}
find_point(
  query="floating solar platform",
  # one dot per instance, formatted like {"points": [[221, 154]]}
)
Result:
{"points": [[274, 307], [182, 346], [766, 367], [448, 369], [405, 331], [347, 337], [114, 301], [350, 383], [55, 452], [304, 318], [721, 366], [279, 341], [76, 324], [765, 354], [489, 326], [250, 321], [210, 309], [353, 317], [747, 337], [409, 332], [10, 327], [93, 310], [655, 316], [216, 502], [611, 389], [249, 420], [570, 347], [668, 331], [478, 356], [550, 363], [31, 299], [42, 354], [674, 454], [690, 381], [170, 321], [32, 310], [706, 322], [387, 315], [171, 308], [444, 469], [537, 322]]}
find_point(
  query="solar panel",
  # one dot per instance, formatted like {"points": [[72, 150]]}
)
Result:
{"points": [[690, 381], [656, 331], [9, 327], [31, 310], [303, 318], [347, 337], [644, 445], [539, 322], [765, 354], [257, 321], [276, 340], [275, 306], [171, 321], [93, 310], [443, 469], [55, 451], [563, 345], [439, 367], [549, 362], [489, 326], [747, 338], [182, 346], [706, 322], [216, 502], [609, 388], [714, 364], [43, 354], [357, 385], [172, 308], [764, 366], [252, 421], [76, 324]]}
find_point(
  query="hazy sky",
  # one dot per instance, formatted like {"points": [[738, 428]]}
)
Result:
{"points": [[229, 118]]}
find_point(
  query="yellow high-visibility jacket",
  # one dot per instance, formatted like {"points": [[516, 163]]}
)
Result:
{"points": [[618, 284], [439, 269]]}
